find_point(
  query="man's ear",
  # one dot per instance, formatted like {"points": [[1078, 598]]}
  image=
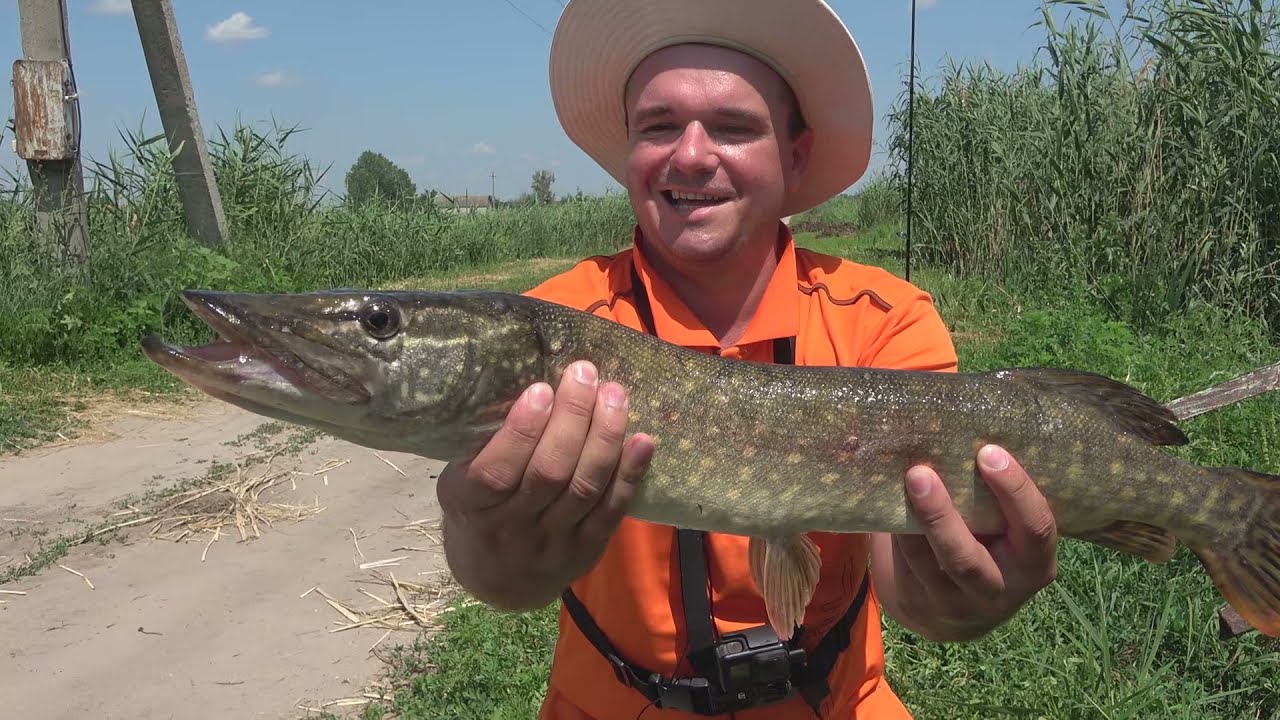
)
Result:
{"points": [[801, 150]]}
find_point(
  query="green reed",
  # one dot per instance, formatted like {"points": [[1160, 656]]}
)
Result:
{"points": [[1135, 160]]}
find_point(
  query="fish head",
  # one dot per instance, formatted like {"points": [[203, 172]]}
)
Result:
{"points": [[429, 373]]}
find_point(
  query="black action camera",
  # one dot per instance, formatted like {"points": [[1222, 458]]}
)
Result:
{"points": [[751, 668]]}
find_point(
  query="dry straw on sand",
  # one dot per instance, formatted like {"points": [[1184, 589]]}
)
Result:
{"points": [[237, 502]]}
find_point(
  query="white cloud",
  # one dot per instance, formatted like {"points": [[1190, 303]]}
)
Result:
{"points": [[237, 27], [482, 148], [111, 7], [272, 79]]}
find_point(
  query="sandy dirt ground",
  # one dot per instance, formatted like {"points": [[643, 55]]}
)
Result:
{"points": [[157, 626]]}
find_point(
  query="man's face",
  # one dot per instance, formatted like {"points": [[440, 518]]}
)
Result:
{"points": [[711, 156]]}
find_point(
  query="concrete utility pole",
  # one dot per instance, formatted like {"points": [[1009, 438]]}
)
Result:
{"points": [[162, 48], [47, 129]]}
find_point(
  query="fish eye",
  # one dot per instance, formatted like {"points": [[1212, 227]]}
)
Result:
{"points": [[380, 319]]}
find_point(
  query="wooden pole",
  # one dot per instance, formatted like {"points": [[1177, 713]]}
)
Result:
{"points": [[1262, 380], [162, 48], [47, 124]]}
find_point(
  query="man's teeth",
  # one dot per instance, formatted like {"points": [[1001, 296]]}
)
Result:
{"points": [[693, 196]]}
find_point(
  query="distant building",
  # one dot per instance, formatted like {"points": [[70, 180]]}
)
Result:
{"points": [[464, 203]]}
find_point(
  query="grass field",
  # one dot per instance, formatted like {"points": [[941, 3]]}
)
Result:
{"points": [[1113, 207]]}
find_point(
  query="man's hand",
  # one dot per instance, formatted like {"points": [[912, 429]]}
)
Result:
{"points": [[948, 584], [535, 507]]}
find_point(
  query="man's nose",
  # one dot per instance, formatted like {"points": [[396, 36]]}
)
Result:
{"points": [[694, 152]]}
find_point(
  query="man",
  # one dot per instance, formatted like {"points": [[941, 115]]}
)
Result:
{"points": [[720, 117]]}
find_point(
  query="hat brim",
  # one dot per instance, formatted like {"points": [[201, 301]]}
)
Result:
{"points": [[598, 43]]}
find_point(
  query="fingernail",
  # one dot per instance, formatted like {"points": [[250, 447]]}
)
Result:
{"points": [[539, 396], [585, 373], [614, 398], [919, 483], [993, 457]]}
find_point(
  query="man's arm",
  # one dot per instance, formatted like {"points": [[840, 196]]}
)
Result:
{"points": [[534, 509]]}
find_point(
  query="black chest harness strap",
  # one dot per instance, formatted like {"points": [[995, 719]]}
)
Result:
{"points": [[742, 670]]}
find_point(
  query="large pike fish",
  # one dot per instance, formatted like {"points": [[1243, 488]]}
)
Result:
{"points": [[765, 451]]}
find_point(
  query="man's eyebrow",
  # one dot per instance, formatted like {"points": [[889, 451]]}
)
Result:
{"points": [[726, 112], [733, 113], [652, 111]]}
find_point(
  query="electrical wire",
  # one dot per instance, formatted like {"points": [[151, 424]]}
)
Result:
{"points": [[527, 16], [911, 126]]}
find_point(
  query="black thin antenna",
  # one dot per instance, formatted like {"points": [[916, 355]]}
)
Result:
{"points": [[911, 127]]}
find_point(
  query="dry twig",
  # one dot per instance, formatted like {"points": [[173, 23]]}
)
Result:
{"points": [[77, 572], [416, 606]]}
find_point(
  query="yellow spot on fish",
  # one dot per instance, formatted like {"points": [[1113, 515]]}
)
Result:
{"points": [[829, 478], [685, 444], [795, 458], [749, 451]]}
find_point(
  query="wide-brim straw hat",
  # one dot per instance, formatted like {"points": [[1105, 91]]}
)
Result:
{"points": [[598, 44]]}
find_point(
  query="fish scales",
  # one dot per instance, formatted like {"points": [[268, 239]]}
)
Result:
{"points": [[779, 429], [767, 451]]}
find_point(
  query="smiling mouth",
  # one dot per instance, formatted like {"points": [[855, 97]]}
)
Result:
{"points": [[692, 201]]}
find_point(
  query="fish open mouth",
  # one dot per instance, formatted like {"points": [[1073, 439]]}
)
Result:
{"points": [[245, 355]]}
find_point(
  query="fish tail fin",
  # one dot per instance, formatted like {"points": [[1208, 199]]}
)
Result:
{"points": [[1248, 574]]}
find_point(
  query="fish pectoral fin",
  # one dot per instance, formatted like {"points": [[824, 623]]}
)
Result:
{"points": [[785, 570], [1148, 542]]}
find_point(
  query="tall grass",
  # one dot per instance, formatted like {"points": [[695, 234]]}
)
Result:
{"points": [[284, 237], [1136, 159]]}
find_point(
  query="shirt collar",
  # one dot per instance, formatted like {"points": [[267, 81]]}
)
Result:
{"points": [[776, 316]]}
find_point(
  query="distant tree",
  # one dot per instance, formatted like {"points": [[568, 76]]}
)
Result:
{"points": [[374, 178], [541, 186]]}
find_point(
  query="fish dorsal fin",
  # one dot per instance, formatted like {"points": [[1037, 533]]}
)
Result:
{"points": [[1128, 407]]}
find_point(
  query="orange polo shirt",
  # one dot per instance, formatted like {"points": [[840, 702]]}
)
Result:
{"points": [[842, 313]]}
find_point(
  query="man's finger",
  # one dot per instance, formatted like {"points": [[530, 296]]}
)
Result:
{"points": [[560, 446], [1032, 528], [596, 464], [495, 473], [916, 572], [959, 553], [597, 526]]}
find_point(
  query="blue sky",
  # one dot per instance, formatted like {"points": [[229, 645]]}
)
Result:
{"points": [[451, 91]]}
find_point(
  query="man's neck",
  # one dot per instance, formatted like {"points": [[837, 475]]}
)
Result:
{"points": [[724, 297]]}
